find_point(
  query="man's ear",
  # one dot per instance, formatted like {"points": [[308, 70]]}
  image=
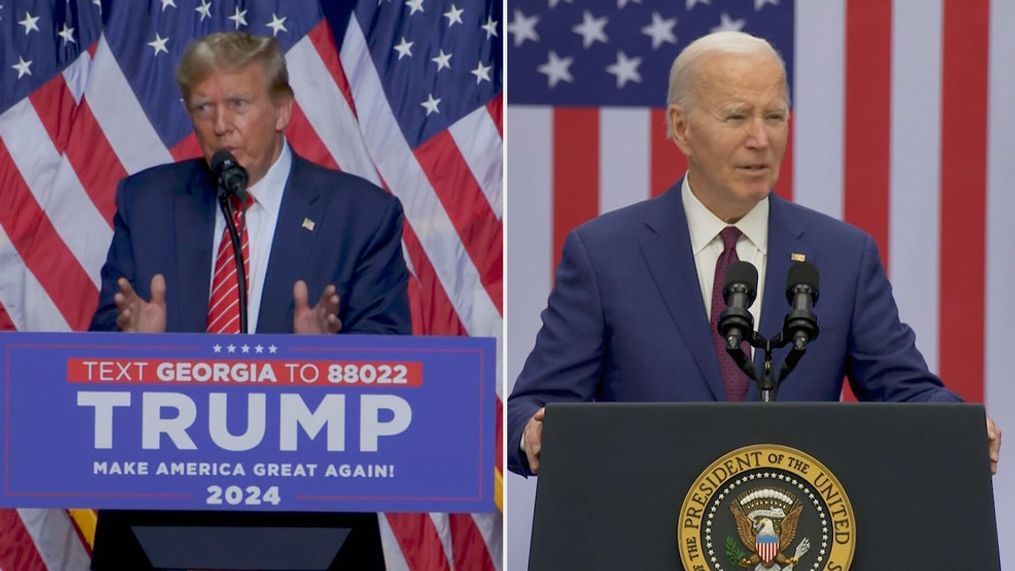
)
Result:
{"points": [[677, 120], [283, 112]]}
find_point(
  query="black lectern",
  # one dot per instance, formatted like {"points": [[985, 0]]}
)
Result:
{"points": [[655, 486]]}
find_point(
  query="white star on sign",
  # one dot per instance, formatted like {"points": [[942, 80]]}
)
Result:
{"points": [[404, 48], [414, 6], [166, 3], [204, 10], [431, 105], [231, 348], [625, 69], [523, 28], [67, 33], [259, 348], [22, 67], [272, 349], [726, 24], [454, 16], [29, 23], [217, 348], [490, 27], [159, 44], [660, 30], [556, 69], [591, 29], [276, 24], [245, 348], [239, 18], [759, 4], [481, 72], [691, 3], [442, 60]]}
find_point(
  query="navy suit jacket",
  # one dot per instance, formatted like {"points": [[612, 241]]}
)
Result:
{"points": [[625, 320], [165, 218]]}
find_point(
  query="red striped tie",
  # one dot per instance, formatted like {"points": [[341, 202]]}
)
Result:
{"points": [[224, 307]]}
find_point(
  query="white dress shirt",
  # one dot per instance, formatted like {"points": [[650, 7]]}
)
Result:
{"points": [[706, 245], [261, 219]]}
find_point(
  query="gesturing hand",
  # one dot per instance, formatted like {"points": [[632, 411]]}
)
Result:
{"points": [[136, 315], [322, 318]]}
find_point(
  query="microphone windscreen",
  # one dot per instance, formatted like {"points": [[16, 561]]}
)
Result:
{"points": [[741, 272], [221, 160], [801, 273]]}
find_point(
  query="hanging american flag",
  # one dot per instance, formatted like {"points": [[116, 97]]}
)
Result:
{"points": [[404, 93], [902, 124]]}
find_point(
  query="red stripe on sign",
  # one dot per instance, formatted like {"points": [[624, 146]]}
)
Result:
{"points": [[575, 172], [7, 324], [963, 194], [668, 164], [17, 550], [96, 164], [868, 120], [438, 315], [306, 142], [419, 541], [324, 43], [467, 544], [477, 226], [187, 148], [496, 109], [55, 104], [43, 251], [784, 186]]}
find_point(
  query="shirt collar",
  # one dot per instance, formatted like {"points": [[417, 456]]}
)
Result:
{"points": [[268, 191], [704, 226]]}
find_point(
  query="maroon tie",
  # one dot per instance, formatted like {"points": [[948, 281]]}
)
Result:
{"points": [[733, 379]]}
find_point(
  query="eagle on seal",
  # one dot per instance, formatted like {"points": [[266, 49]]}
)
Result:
{"points": [[765, 538]]}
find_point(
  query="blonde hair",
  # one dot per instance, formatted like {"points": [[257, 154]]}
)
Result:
{"points": [[231, 51]]}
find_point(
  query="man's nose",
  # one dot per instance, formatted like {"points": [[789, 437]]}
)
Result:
{"points": [[223, 121], [757, 133]]}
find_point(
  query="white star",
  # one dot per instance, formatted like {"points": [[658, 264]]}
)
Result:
{"points": [[204, 10], [29, 23], [622, 3], [414, 6], [272, 349], [553, 3], [259, 348], [166, 3], [591, 29], [442, 60], [431, 105], [454, 16], [692, 3], [276, 24], [625, 69], [231, 348], [22, 67], [556, 69], [245, 348], [159, 44], [759, 4], [481, 72], [404, 48], [67, 33], [490, 27], [523, 28], [217, 348], [726, 24], [660, 30], [239, 18]]}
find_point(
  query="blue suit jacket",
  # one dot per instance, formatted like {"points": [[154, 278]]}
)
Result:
{"points": [[625, 320], [165, 218]]}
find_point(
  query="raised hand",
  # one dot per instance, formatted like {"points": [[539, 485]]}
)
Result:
{"points": [[135, 315], [322, 318]]}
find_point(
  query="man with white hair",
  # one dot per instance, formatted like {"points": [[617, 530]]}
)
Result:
{"points": [[633, 313]]}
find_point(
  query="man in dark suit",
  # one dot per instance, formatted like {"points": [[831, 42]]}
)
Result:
{"points": [[632, 316], [306, 233]]}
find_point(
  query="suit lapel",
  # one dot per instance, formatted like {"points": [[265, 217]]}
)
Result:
{"points": [[667, 252], [194, 213], [290, 250]]}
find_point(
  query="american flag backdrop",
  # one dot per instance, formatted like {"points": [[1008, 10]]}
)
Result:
{"points": [[903, 123], [406, 93]]}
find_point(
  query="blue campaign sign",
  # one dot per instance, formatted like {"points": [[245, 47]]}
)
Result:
{"points": [[253, 422]]}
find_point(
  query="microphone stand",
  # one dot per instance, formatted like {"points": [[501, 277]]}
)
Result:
{"points": [[234, 237], [768, 384]]}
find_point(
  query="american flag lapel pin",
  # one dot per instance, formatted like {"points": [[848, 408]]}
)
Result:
{"points": [[795, 256], [309, 224]]}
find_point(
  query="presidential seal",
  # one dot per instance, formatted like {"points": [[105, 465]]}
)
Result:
{"points": [[766, 508]]}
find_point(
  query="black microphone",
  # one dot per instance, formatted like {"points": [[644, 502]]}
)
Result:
{"points": [[739, 291], [801, 325], [232, 181], [232, 177]]}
